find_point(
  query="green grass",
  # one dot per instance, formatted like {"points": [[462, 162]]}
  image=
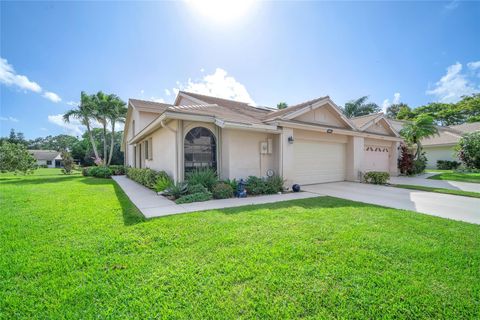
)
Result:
{"points": [[76, 248], [439, 190], [457, 176]]}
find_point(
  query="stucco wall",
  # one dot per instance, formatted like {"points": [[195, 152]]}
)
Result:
{"points": [[241, 154], [434, 154], [322, 115]]}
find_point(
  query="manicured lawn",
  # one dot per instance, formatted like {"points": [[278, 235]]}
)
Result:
{"points": [[75, 247], [439, 190], [455, 176]]}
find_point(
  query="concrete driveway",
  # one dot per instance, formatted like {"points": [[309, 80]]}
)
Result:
{"points": [[423, 181], [437, 204]]}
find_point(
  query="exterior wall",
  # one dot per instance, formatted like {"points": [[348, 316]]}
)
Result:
{"points": [[392, 154], [378, 128], [434, 154], [44, 162], [355, 157], [241, 156], [142, 119]]}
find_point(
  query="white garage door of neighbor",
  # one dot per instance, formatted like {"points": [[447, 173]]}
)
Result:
{"points": [[317, 162], [376, 158]]}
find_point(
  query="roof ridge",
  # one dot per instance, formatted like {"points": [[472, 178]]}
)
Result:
{"points": [[307, 102], [204, 95], [367, 115]]}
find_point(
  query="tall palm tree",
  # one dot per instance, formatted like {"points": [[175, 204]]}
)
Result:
{"points": [[116, 114], [420, 128], [84, 113], [360, 107], [102, 107]]}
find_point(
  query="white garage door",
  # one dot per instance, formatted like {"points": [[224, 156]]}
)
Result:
{"points": [[376, 158], [317, 162]]}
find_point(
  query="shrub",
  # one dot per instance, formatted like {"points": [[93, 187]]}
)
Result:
{"points": [[117, 170], [255, 185], [420, 164], [16, 158], [376, 177], [196, 188], [233, 183], [145, 176], [194, 197], [68, 164], [222, 190], [467, 170], [275, 184], [405, 162], [176, 190], [86, 171], [100, 172], [468, 150], [205, 177], [447, 165], [163, 182]]}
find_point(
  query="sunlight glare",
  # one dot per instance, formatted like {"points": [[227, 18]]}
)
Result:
{"points": [[222, 10]]}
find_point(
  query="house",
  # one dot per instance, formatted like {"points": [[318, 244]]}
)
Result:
{"points": [[49, 158], [311, 142], [442, 146]]}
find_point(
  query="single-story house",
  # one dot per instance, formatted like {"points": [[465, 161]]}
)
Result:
{"points": [[49, 158], [311, 142], [442, 146]]}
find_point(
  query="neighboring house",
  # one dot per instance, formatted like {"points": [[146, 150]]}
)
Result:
{"points": [[312, 142], [49, 158], [442, 146]]}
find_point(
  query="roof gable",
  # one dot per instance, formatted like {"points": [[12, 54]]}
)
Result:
{"points": [[375, 123]]}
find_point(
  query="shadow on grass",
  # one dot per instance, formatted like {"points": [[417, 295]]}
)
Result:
{"points": [[34, 180]]}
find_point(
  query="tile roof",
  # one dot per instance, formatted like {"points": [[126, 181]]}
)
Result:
{"points": [[467, 127], [360, 121], [291, 109], [44, 154], [149, 106], [445, 136], [219, 112]]}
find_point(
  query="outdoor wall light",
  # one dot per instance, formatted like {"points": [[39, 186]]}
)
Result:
{"points": [[329, 130], [290, 140]]}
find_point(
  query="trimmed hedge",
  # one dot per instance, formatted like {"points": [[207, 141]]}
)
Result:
{"points": [[447, 165], [222, 190], [376, 177], [98, 172], [146, 176], [194, 197], [257, 186]]}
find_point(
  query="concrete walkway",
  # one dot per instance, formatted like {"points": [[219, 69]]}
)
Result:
{"points": [[437, 204], [423, 181], [152, 205]]}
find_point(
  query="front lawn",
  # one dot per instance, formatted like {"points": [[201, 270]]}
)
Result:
{"points": [[457, 176], [439, 190], [75, 247]]}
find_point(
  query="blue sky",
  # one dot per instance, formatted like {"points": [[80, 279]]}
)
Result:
{"points": [[265, 52]]}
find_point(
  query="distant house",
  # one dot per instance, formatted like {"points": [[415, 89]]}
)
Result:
{"points": [[442, 146], [49, 158]]}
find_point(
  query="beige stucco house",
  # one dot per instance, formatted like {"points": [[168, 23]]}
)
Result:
{"points": [[442, 146], [312, 142]]}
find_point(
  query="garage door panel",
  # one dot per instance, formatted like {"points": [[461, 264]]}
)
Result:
{"points": [[318, 162]]}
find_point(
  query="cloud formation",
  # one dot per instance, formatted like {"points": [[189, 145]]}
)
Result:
{"points": [[11, 119], [218, 84], [9, 77], [455, 83], [386, 103]]}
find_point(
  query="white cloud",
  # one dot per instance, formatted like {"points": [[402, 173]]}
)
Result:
{"points": [[218, 84], [452, 5], [11, 119], [386, 103], [167, 92], [74, 127], [73, 103], [52, 96], [142, 92], [454, 84], [9, 77], [474, 65], [202, 70]]}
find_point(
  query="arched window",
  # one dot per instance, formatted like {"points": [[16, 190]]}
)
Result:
{"points": [[200, 149]]}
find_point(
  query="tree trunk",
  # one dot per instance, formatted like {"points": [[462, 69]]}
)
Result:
{"points": [[419, 150], [92, 141], [104, 142], [111, 142]]}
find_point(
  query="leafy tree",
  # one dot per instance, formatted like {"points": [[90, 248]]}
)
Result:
{"points": [[468, 150], [14, 137], [405, 113], [68, 163], [117, 113], [85, 112], [413, 132], [394, 109], [282, 105], [14, 157], [360, 107], [471, 107], [58, 143]]}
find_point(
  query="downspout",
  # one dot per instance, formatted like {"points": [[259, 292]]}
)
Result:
{"points": [[164, 125]]}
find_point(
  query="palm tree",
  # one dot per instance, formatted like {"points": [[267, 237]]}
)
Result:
{"points": [[84, 113], [420, 128], [116, 114], [102, 108], [360, 107]]}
